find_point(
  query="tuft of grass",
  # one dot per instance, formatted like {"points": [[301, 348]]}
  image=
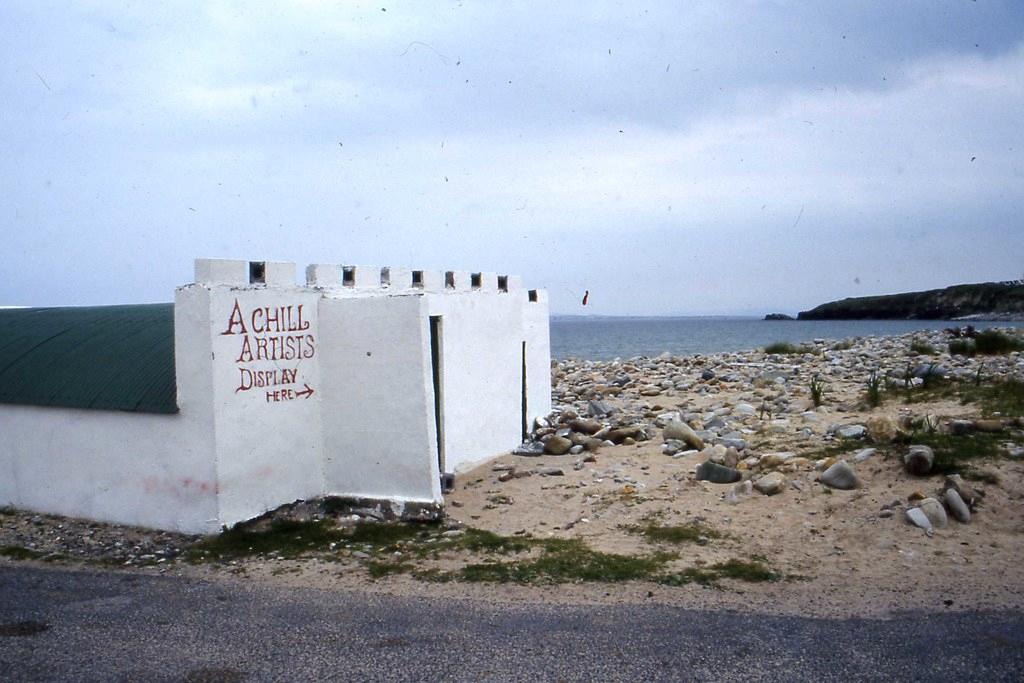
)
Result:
{"points": [[961, 347], [754, 571], [788, 348], [994, 342], [922, 348], [986, 343], [874, 389], [694, 532], [817, 390]]}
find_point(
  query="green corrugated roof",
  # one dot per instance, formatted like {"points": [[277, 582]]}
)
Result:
{"points": [[101, 357]]}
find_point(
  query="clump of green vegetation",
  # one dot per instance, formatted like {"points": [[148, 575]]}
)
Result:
{"points": [[874, 389], [17, 552], [922, 348], [957, 454], [285, 539], [993, 342], [753, 571], [546, 561], [567, 560], [1004, 397], [378, 570], [817, 391], [788, 348], [986, 343], [961, 347], [384, 535], [693, 532]]}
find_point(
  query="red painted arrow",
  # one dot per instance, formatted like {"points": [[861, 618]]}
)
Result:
{"points": [[307, 392]]}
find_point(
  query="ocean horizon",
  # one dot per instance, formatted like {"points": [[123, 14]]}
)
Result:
{"points": [[604, 337]]}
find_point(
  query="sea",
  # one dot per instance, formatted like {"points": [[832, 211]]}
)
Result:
{"points": [[606, 338]]}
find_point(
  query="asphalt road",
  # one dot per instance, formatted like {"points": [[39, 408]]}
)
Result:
{"points": [[64, 625]]}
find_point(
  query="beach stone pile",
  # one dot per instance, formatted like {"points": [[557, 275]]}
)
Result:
{"points": [[715, 406]]}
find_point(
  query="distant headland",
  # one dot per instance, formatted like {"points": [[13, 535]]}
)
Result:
{"points": [[982, 301]]}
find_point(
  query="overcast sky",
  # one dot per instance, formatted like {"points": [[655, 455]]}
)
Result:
{"points": [[672, 158]]}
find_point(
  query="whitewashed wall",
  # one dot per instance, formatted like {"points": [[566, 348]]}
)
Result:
{"points": [[378, 415], [289, 392]]}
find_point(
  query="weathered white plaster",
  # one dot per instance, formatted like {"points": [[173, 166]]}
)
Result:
{"points": [[213, 271], [379, 436], [289, 392]]}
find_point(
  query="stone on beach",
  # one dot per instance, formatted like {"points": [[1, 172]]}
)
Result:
{"points": [[840, 476], [957, 506], [717, 474], [967, 493], [917, 517], [852, 432], [557, 445], [771, 483], [919, 460], [934, 511], [881, 429], [681, 431], [864, 454]]}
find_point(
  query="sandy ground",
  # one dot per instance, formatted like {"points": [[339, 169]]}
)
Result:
{"points": [[840, 557]]}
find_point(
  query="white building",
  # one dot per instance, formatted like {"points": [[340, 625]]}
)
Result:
{"points": [[251, 392]]}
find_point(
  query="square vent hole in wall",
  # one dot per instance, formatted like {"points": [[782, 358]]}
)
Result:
{"points": [[348, 276], [503, 283], [533, 296], [385, 277], [449, 280], [476, 280], [257, 272], [417, 278]]}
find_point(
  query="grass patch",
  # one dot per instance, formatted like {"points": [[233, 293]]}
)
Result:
{"points": [[284, 539], [1005, 397], [387, 535], [17, 552], [986, 343], [922, 348], [694, 532], [479, 540], [565, 561], [788, 348], [754, 571], [956, 454], [379, 570]]}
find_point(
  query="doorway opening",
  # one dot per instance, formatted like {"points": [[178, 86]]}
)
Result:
{"points": [[437, 374], [522, 389]]}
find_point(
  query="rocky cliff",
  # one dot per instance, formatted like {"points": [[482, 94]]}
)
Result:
{"points": [[992, 300]]}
